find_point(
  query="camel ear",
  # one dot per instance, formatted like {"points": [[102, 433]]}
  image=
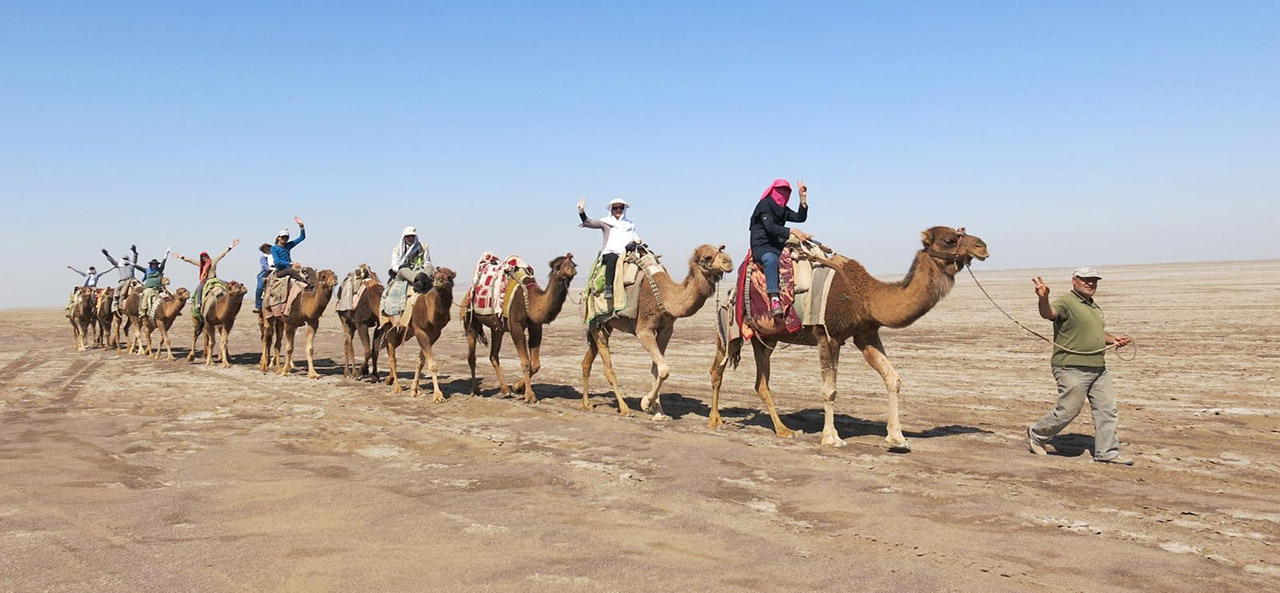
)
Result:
{"points": [[722, 249], [926, 237]]}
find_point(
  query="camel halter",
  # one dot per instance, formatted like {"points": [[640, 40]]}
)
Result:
{"points": [[1056, 345]]}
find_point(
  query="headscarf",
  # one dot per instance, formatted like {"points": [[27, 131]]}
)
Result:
{"points": [[206, 263], [780, 191]]}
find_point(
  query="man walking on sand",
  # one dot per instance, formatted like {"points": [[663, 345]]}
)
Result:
{"points": [[1078, 328]]}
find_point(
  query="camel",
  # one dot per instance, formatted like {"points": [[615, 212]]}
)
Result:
{"points": [[218, 320], [858, 305], [358, 321], [429, 316], [81, 317], [166, 312], [531, 310], [103, 315], [654, 323], [311, 305]]}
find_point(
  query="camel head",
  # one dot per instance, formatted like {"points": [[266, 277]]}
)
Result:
{"points": [[443, 279], [951, 246], [713, 261], [182, 295], [564, 268], [328, 278], [236, 289]]}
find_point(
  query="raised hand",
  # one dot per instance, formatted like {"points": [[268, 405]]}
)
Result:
{"points": [[104, 252], [234, 243], [804, 192], [1042, 289], [582, 203], [299, 221]]}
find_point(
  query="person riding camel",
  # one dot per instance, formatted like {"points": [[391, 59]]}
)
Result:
{"points": [[619, 236], [152, 283], [282, 253], [411, 261], [208, 267], [125, 269], [90, 280], [265, 265], [769, 233]]}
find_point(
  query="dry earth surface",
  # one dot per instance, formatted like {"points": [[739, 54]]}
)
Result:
{"points": [[120, 473]]}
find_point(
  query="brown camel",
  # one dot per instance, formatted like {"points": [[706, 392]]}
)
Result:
{"points": [[858, 305], [81, 317], [358, 321], [654, 323], [103, 315], [166, 313], [530, 310], [429, 316], [311, 305], [216, 321]]}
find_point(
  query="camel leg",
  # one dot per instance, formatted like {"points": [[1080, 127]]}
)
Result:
{"points": [[535, 361], [656, 345], [873, 351], [495, 347], [195, 337], [312, 328], [363, 332], [829, 360], [427, 355], [717, 377], [602, 344], [588, 360], [471, 358], [210, 343], [225, 333], [286, 360], [526, 367], [762, 354], [392, 379]]}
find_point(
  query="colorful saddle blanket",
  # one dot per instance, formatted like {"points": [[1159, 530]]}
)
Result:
{"points": [[487, 284], [282, 294], [627, 285], [517, 272], [804, 288], [213, 288], [395, 298]]}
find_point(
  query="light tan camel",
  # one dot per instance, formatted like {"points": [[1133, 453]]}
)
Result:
{"points": [[429, 316], [166, 313], [81, 317], [217, 321], [358, 321], [311, 305], [654, 323], [858, 305], [103, 315], [525, 325], [122, 325]]}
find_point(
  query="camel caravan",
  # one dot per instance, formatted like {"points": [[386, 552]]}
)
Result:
{"points": [[788, 289]]}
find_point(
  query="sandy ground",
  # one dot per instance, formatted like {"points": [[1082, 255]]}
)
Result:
{"points": [[119, 473]]}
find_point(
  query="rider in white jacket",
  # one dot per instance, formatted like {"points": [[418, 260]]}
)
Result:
{"points": [[619, 236], [411, 260]]}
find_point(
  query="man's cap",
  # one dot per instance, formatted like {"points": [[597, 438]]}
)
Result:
{"points": [[409, 231], [283, 233], [1086, 272], [154, 262]]}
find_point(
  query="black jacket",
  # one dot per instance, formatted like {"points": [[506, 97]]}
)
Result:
{"points": [[768, 233]]}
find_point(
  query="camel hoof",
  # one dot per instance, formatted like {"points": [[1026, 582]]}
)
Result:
{"points": [[624, 411], [586, 407], [647, 405], [660, 417], [313, 375], [171, 357], [785, 433], [715, 423], [899, 447], [831, 440], [438, 398]]}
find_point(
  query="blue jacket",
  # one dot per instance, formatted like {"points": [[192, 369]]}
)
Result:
{"points": [[282, 256]]}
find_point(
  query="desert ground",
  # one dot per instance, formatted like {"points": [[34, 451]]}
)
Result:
{"points": [[121, 473]]}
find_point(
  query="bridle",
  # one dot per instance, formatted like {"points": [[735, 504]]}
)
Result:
{"points": [[952, 258]]}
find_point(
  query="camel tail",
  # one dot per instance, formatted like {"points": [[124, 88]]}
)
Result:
{"points": [[735, 352]]}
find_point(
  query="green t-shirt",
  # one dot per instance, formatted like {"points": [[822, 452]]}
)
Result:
{"points": [[1079, 326]]}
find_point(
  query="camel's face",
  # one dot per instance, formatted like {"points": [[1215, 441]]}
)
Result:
{"points": [[565, 267], [328, 278], [713, 260], [954, 244], [443, 278], [182, 294], [236, 289]]}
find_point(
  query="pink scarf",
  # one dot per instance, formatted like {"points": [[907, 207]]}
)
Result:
{"points": [[205, 264], [780, 191]]}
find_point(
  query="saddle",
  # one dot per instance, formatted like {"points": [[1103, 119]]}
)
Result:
{"points": [[282, 294], [213, 288], [630, 280], [494, 281], [803, 283], [353, 286]]}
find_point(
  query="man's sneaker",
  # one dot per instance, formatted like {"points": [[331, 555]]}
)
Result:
{"points": [[1117, 460], [1034, 445]]}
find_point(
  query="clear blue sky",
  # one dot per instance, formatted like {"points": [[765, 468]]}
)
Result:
{"points": [[1063, 133]]}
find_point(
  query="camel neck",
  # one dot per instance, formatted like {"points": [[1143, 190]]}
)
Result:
{"points": [[684, 299], [901, 303], [545, 304]]}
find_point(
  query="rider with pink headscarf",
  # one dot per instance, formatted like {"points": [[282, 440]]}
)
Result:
{"points": [[769, 233]]}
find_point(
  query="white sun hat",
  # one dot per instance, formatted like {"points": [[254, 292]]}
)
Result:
{"points": [[409, 231], [618, 201], [1086, 272]]}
